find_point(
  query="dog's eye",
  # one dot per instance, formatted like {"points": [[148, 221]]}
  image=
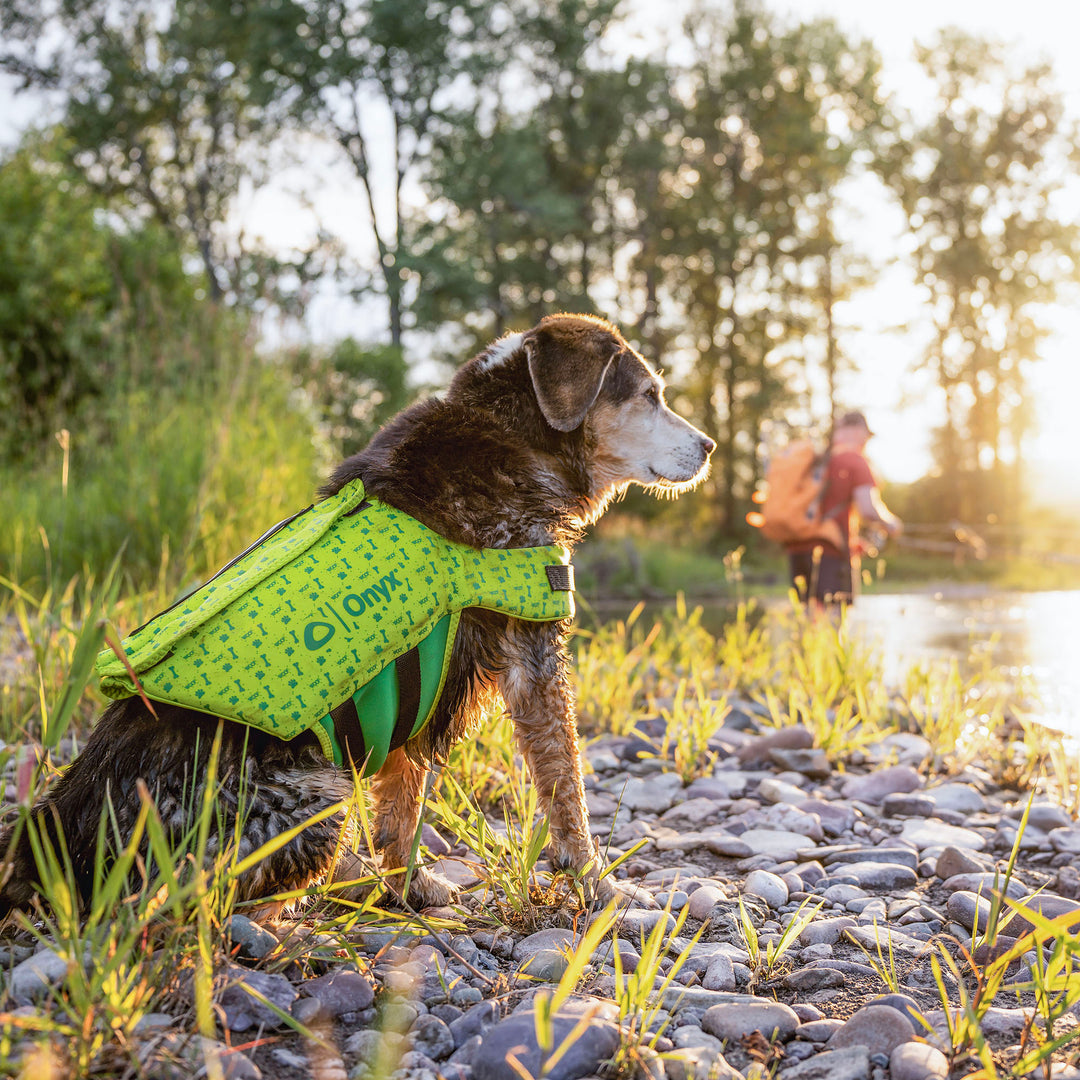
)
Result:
{"points": [[653, 394]]}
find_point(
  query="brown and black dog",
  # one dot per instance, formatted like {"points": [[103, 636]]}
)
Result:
{"points": [[529, 445]]}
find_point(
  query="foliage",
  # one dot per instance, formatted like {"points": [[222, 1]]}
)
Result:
{"points": [[72, 280], [976, 182], [352, 390]]}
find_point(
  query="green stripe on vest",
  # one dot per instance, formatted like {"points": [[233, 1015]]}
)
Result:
{"points": [[341, 621]]}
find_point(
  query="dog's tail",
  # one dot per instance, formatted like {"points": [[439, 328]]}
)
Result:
{"points": [[18, 871]]}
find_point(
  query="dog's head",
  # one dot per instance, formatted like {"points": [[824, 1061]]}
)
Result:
{"points": [[588, 383]]}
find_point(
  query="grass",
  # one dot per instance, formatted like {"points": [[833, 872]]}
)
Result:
{"points": [[155, 925]]}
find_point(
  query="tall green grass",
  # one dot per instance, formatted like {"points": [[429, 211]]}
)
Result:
{"points": [[177, 473]]}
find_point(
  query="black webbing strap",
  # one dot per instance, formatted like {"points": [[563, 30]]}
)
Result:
{"points": [[560, 577], [408, 675], [349, 733]]}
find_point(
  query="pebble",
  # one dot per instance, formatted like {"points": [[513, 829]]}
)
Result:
{"points": [[254, 941], [597, 1042], [877, 1027], [889, 861], [873, 787], [852, 1063], [734, 1021], [932, 832], [32, 979], [768, 886], [917, 1061]]}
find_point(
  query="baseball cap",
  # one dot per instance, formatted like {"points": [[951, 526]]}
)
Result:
{"points": [[854, 419]]}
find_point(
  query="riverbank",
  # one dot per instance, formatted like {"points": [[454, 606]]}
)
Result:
{"points": [[799, 840]]}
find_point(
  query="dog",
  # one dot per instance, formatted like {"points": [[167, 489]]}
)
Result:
{"points": [[533, 439]]}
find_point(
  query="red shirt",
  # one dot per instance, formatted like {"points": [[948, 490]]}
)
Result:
{"points": [[847, 470]]}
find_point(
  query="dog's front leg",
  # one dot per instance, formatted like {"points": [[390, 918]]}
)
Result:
{"points": [[396, 791], [535, 685]]}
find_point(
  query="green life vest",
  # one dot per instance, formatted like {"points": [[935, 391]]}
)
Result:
{"points": [[339, 620]]}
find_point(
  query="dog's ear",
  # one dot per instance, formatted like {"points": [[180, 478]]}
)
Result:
{"points": [[567, 375]]}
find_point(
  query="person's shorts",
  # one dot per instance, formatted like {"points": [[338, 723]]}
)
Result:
{"points": [[827, 578]]}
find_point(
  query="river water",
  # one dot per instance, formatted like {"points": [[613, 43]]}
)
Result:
{"points": [[1036, 635], [1033, 638]]}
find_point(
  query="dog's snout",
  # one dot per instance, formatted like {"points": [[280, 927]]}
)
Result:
{"points": [[707, 445]]}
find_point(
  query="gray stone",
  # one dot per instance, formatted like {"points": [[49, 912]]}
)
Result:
{"points": [[901, 1002], [843, 894], [733, 1021], [1005, 1023], [698, 1063], [1044, 816], [307, 1011], [517, 1035], [32, 979], [918, 1061], [907, 804], [782, 846], [818, 1030], [787, 817], [836, 818], [655, 794], [473, 1022], [243, 1011], [962, 798], [1066, 840], [814, 979], [703, 900], [812, 763], [431, 1036], [553, 938], [676, 998], [776, 791], [545, 965], [932, 832], [877, 1027], [825, 931], [873, 936], [873, 787], [342, 992], [883, 853], [954, 860], [720, 974], [984, 883], [721, 785], [1050, 907], [852, 1063], [795, 737], [971, 911], [877, 875], [698, 811], [768, 886], [727, 846], [636, 921], [254, 940]]}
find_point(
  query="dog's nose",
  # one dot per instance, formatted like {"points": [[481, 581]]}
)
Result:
{"points": [[709, 445]]}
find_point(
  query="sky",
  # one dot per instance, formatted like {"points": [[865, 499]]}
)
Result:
{"points": [[896, 396]]}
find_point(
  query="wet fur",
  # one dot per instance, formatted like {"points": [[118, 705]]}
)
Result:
{"points": [[530, 443]]}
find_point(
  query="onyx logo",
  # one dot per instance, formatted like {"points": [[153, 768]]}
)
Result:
{"points": [[319, 632]]}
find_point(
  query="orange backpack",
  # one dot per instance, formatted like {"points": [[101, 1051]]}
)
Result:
{"points": [[791, 510]]}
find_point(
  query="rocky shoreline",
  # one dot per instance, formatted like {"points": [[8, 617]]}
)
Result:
{"points": [[880, 861]]}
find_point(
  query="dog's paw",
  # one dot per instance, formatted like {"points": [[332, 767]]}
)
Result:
{"points": [[624, 893], [428, 889]]}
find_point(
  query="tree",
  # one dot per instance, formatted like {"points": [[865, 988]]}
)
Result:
{"points": [[375, 73], [762, 152], [73, 279], [976, 182], [166, 109], [522, 183]]}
